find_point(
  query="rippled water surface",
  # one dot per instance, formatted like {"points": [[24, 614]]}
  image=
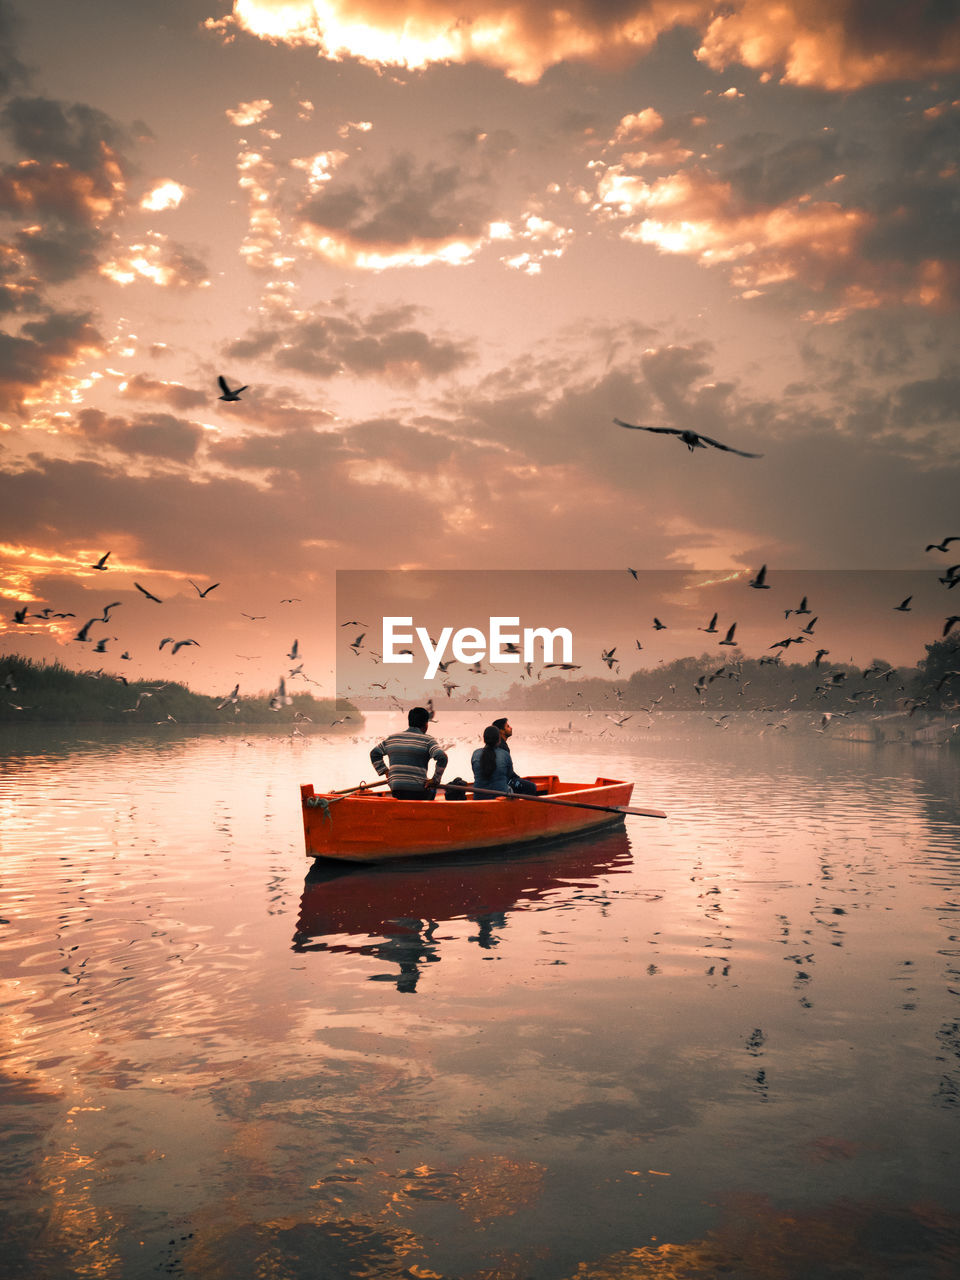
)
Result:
{"points": [[723, 1044]]}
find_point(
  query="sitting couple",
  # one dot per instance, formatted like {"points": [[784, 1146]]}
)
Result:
{"points": [[493, 765], [410, 752]]}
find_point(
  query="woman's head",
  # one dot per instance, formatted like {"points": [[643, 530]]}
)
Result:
{"points": [[488, 756]]}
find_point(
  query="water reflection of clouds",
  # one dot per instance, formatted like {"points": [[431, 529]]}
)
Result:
{"points": [[394, 913]]}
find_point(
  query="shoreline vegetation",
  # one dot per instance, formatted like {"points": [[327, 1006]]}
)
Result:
{"points": [[878, 702], [874, 703], [49, 693]]}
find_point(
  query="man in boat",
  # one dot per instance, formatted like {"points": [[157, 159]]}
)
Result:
{"points": [[409, 754], [522, 786]]}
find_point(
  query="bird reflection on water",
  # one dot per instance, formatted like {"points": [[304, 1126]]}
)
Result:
{"points": [[393, 912]]}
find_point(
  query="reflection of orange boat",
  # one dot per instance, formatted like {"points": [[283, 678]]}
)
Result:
{"points": [[370, 827], [364, 902]]}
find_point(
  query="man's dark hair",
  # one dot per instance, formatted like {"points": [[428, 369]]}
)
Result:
{"points": [[418, 718], [501, 723]]}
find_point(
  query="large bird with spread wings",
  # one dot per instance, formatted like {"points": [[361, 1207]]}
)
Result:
{"points": [[692, 439]]}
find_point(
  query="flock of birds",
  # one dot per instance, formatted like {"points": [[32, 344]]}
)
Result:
{"points": [[280, 698], [831, 682]]}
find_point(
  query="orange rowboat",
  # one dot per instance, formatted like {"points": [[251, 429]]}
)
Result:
{"points": [[370, 826]]}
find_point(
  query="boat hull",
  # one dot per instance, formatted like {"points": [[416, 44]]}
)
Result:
{"points": [[371, 826]]}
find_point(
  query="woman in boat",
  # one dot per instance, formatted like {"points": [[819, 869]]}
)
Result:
{"points": [[492, 765]]}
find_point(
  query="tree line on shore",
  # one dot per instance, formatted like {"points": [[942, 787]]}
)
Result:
{"points": [[932, 687], [54, 694]]}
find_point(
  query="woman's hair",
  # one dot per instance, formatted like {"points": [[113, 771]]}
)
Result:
{"points": [[488, 757]]}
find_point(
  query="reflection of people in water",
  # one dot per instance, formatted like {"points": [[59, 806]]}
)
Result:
{"points": [[410, 947], [486, 923], [413, 946], [395, 914]]}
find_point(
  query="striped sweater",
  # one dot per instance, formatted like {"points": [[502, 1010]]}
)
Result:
{"points": [[409, 754]]}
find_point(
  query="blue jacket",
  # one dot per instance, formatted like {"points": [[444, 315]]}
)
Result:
{"points": [[502, 776]]}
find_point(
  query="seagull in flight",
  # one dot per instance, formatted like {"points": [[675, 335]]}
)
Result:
{"points": [[712, 627], [206, 591], [904, 605], [692, 439], [760, 581], [148, 594], [227, 393], [101, 563], [942, 546], [729, 638], [177, 644]]}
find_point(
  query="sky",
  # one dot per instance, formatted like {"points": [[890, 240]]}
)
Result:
{"points": [[443, 253]]}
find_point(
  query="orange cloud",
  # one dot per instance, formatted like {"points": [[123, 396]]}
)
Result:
{"points": [[815, 244], [833, 44], [524, 39], [30, 189], [158, 260], [33, 360]]}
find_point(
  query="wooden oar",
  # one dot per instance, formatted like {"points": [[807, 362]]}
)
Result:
{"points": [[567, 804], [364, 786]]}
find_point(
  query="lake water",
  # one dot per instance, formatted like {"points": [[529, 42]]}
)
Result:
{"points": [[725, 1044]]}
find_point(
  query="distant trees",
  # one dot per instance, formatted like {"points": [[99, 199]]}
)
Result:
{"points": [[728, 682], [936, 685], [54, 694]]}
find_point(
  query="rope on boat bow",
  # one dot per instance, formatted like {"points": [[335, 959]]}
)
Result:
{"points": [[321, 802]]}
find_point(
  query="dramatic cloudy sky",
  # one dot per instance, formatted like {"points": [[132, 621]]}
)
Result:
{"points": [[444, 249]]}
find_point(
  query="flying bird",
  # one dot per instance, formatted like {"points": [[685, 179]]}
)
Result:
{"points": [[281, 698], [294, 651], [803, 608], [942, 546], [760, 581], [712, 626], [608, 656], [148, 594], [20, 615], [232, 697], [206, 591], [729, 636], [658, 625], [904, 605], [692, 439], [177, 644], [949, 624], [227, 393], [101, 563]]}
